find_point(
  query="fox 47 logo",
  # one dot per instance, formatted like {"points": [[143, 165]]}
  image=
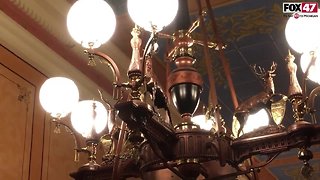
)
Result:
{"points": [[303, 7]]}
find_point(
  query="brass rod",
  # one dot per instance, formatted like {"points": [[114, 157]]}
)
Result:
{"points": [[213, 94], [113, 65], [115, 70], [118, 150], [71, 131], [168, 70], [223, 59]]}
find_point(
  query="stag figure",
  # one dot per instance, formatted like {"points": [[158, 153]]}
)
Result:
{"points": [[260, 100]]}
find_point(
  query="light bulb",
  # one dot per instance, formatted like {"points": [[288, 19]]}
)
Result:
{"points": [[89, 116], [91, 22], [203, 122], [152, 13], [254, 121], [302, 33], [314, 70], [58, 95]]}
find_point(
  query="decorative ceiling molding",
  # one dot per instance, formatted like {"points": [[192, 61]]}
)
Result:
{"points": [[45, 15]]}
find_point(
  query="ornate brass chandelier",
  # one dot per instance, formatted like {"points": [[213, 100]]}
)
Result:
{"points": [[146, 141]]}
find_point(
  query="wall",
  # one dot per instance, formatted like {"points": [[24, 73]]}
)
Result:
{"points": [[29, 148]]}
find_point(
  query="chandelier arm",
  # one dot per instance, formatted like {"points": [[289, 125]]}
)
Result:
{"points": [[109, 107], [310, 103], [268, 141], [112, 140], [231, 175], [77, 147], [115, 70], [245, 172], [146, 52], [262, 164], [159, 154], [306, 73], [140, 115]]}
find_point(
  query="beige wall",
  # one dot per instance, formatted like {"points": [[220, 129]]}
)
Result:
{"points": [[29, 149]]}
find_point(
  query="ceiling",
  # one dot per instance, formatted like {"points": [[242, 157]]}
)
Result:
{"points": [[252, 30]]}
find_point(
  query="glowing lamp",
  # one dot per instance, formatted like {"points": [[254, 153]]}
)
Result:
{"points": [[302, 33], [91, 22], [58, 95], [152, 14], [203, 122], [89, 117], [254, 121]]}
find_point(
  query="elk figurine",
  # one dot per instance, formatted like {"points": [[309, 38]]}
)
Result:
{"points": [[260, 100]]}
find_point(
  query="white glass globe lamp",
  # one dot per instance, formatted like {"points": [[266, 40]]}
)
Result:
{"points": [[203, 122], [150, 14], [58, 95], [314, 70], [91, 23], [89, 117], [302, 33], [254, 121]]}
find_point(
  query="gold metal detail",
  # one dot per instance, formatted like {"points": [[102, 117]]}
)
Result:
{"points": [[24, 94]]}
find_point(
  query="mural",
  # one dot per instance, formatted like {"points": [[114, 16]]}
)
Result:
{"points": [[243, 22]]}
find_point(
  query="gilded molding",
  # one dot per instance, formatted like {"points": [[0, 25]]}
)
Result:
{"points": [[24, 94]]}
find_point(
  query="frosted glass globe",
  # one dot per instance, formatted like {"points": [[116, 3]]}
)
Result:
{"points": [[302, 33], [89, 116], [314, 70], [148, 13], [203, 122], [254, 121], [58, 95], [91, 22]]}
